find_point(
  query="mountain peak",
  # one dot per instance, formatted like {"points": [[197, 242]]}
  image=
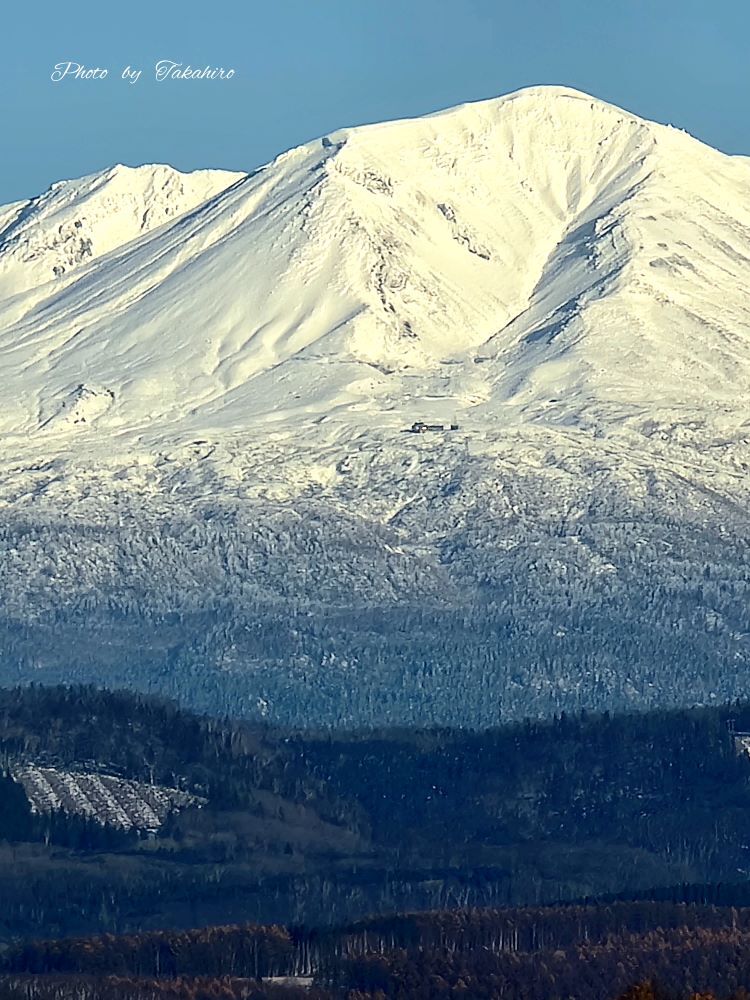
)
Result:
{"points": [[542, 256], [541, 95], [51, 237]]}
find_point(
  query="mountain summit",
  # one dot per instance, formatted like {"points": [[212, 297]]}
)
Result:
{"points": [[541, 256], [207, 485]]}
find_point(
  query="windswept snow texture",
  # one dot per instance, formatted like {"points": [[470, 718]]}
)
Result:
{"points": [[540, 256], [205, 484], [105, 798], [51, 237]]}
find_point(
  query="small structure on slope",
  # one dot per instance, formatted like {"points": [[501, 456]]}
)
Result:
{"points": [[420, 427], [741, 739]]}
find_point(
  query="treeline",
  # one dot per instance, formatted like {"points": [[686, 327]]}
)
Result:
{"points": [[127, 988], [225, 988], [663, 781], [524, 929], [118, 988], [247, 951], [637, 951], [314, 828], [651, 990], [667, 780], [80, 833], [735, 894], [152, 740], [681, 961], [141, 737], [251, 950], [531, 587]]}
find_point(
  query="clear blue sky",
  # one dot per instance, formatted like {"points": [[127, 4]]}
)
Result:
{"points": [[306, 67]]}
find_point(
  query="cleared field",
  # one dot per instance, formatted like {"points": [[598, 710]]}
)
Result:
{"points": [[103, 797]]}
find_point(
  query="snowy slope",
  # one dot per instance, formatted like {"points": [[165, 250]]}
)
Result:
{"points": [[540, 256], [50, 237], [106, 798], [202, 421]]}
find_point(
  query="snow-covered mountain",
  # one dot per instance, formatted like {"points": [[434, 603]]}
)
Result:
{"points": [[51, 237], [565, 280], [540, 256]]}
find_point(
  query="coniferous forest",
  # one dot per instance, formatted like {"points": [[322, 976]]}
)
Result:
{"points": [[585, 856]]}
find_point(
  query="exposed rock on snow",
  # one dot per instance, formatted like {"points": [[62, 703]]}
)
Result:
{"points": [[81, 406], [205, 387], [594, 263]]}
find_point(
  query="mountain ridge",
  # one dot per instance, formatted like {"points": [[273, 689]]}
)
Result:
{"points": [[428, 273], [207, 484], [133, 200]]}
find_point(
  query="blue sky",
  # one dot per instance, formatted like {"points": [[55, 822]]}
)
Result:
{"points": [[306, 67]]}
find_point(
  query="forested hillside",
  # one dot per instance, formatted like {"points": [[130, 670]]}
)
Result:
{"points": [[531, 594], [637, 951], [296, 827]]}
